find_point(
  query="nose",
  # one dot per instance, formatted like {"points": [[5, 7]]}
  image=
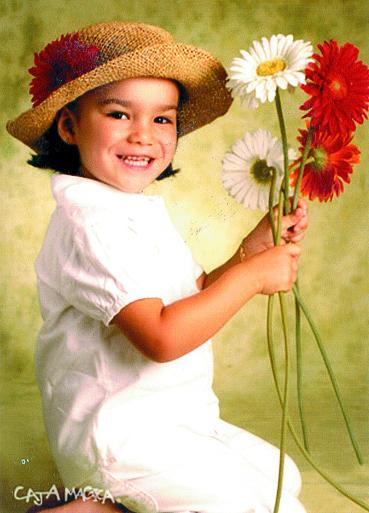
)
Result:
{"points": [[141, 132]]}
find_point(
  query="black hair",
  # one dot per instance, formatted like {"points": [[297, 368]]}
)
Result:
{"points": [[55, 154]]}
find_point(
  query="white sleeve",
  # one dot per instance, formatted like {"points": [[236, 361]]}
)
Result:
{"points": [[107, 268], [197, 268]]}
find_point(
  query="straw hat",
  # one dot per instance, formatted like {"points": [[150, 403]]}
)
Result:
{"points": [[106, 52]]}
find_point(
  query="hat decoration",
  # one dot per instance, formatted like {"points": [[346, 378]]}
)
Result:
{"points": [[60, 62]]}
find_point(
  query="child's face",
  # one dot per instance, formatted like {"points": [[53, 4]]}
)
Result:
{"points": [[131, 118]]}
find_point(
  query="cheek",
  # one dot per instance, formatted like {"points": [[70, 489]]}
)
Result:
{"points": [[95, 139], [170, 142]]}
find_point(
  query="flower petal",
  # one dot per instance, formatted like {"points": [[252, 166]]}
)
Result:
{"points": [[238, 173], [296, 55]]}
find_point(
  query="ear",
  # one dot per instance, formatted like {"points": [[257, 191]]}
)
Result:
{"points": [[66, 123]]}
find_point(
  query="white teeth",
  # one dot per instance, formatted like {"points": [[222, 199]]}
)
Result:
{"points": [[136, 161]]}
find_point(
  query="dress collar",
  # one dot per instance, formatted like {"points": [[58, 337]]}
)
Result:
{"points": [[81, 191]]}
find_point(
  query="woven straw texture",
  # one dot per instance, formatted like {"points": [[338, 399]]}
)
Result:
{"points": [[130, 50]]}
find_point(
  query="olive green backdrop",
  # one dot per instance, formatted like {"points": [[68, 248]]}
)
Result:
{"points": [[333, 266]]}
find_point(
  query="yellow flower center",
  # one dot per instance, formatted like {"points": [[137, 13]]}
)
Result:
{"points": [[270, 67]]}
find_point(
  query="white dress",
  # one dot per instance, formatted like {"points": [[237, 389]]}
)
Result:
{"points": [[148, 432]]}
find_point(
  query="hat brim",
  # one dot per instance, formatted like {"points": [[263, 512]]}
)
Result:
{"points": [[198, 71]]}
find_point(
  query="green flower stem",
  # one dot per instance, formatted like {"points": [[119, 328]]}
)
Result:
{"points": [[299, 373], [276, 230], [282, 128], [301, 168], [280, 214], [298, 304], [270, 340], [284, 206], [307, 456], [282, 445], [273, 185], [286, 211], [330, 373]]}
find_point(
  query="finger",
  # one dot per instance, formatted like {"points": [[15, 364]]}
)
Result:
{"points": [[304, 205], [302, 224], [293, 272], [291, 220], [283, 241], [294, 236], [297, 238], [293, 249], [296, 229], [294, 265]]}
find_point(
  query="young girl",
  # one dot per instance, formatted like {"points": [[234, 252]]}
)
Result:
{"points": [[124, 357]]}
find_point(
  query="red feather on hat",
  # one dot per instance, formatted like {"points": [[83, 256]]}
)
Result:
{"points": [[60, 62]]}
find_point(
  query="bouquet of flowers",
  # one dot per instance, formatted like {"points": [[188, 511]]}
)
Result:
{"points": [[261, 171]]}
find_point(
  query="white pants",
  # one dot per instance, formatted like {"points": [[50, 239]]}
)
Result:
{"points": [[230, 471]]}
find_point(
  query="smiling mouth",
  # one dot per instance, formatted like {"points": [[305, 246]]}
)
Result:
{"points": [[136, 161]]}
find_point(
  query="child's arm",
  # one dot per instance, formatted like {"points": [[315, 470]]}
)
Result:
{"points": [[164, 333]]}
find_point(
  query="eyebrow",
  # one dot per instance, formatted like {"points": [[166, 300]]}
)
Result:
{"points": [[127, 103]]}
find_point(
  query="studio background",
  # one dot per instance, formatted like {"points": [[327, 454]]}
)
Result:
{"points": [[333, 266]]}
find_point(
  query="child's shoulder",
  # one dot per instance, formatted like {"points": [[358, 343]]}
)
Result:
{"points": [[88, 206], [78, 191], [78, 198]]}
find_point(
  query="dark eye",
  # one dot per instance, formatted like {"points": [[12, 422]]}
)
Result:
{"points": [[117, 114], [163, 120]]}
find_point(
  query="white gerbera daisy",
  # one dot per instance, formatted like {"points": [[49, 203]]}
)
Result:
{"points": [[248, 168], [278, 62]]}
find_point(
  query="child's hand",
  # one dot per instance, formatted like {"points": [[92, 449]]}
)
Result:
{"points": [[294, 226], [275, 268]]}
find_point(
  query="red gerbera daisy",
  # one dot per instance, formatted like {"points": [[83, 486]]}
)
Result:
{"points": [[339, 87], [329, 164], [60, 62]]}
